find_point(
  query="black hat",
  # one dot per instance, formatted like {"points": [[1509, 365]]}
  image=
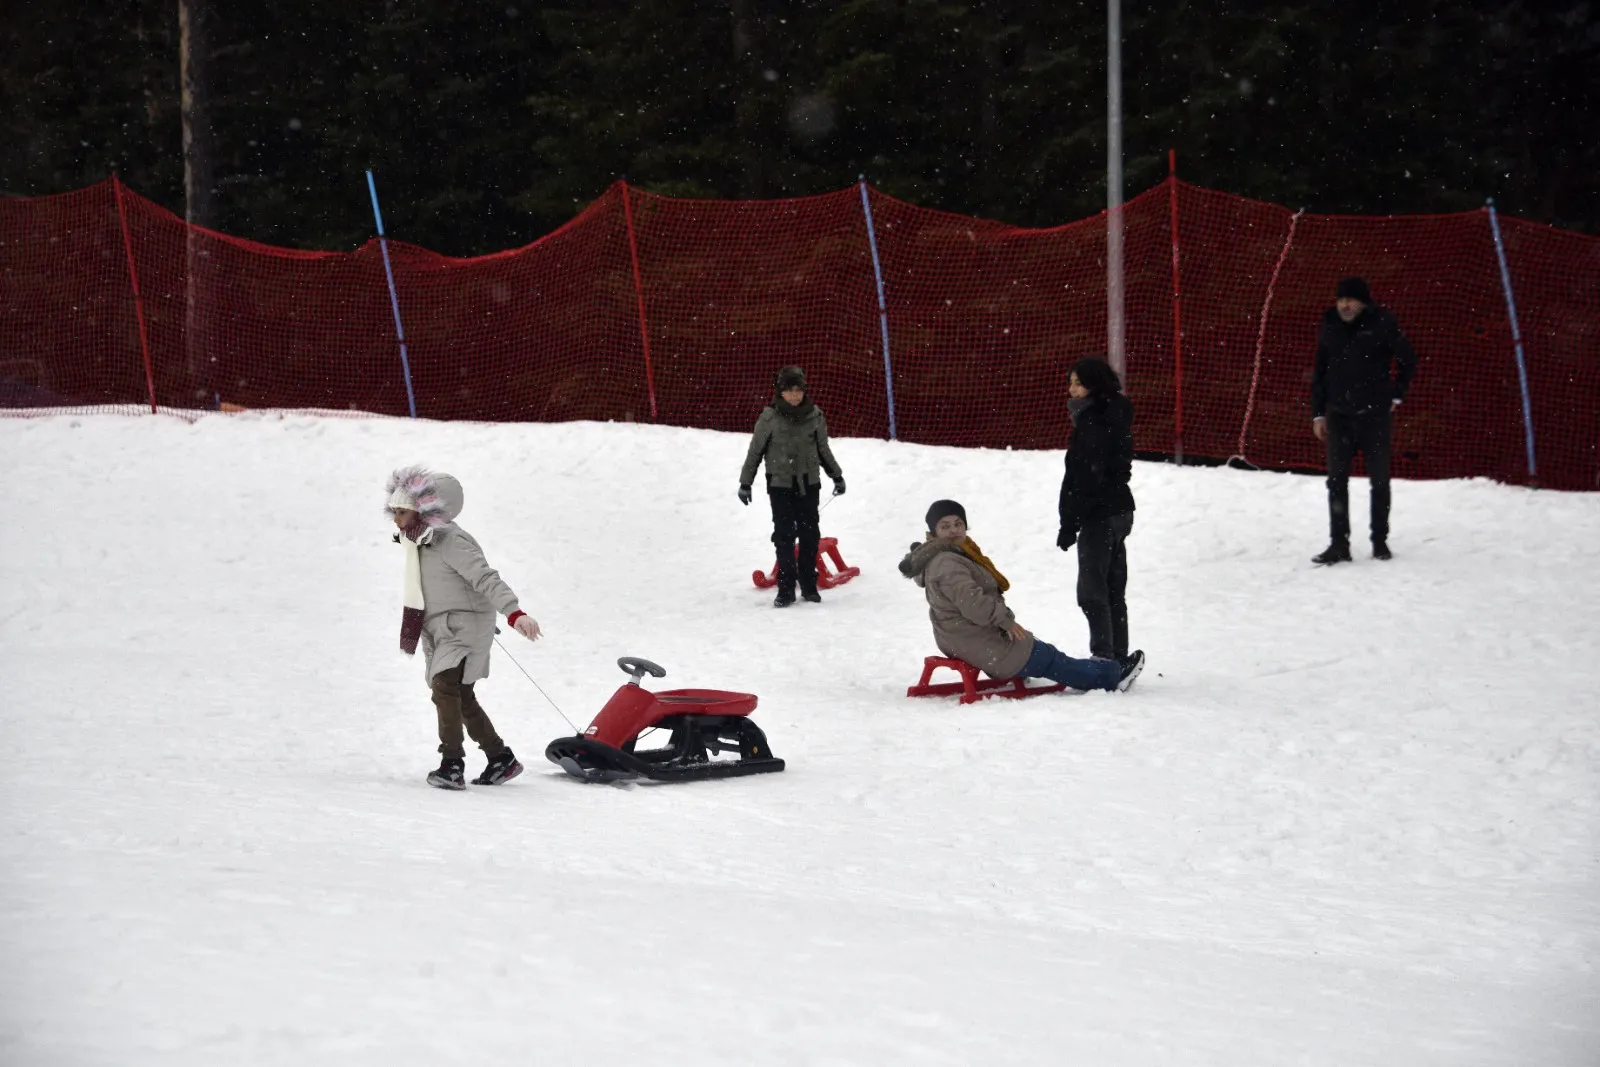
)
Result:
{"points": [[791, 378], [941, 508], [1355, 289]]}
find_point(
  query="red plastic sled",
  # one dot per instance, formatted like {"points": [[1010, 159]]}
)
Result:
{"points": [[701, 723], [826, 579], [971, 687]]}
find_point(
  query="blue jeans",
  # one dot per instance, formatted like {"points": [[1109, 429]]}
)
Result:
{"points": [[1050, 662]]}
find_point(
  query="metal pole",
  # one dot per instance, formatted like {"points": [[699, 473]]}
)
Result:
{"points": [[394, 300], [883, 311], [1116, 331], [1516, 338]]}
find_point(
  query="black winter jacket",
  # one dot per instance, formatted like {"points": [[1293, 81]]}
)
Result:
{"points": [[1353, 359], [1099, 463]]}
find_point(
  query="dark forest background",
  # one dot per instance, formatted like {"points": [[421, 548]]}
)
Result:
{"points": [[489, 124]]}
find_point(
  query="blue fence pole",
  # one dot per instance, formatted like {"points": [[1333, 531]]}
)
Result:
{"points": [[883, 311], [394, 300], [1516, 337]]}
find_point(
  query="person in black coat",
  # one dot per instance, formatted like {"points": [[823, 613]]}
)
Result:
{"points": [[1353, 398], [1097, 505]]}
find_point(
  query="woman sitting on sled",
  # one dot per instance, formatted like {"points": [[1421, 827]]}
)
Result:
{"points": [[967, 606]]}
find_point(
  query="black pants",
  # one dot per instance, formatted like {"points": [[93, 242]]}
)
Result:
{"points": [[1103, 583], [794, 518], [1369, 433]]}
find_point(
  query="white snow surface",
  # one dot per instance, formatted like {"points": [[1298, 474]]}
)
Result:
{"points": [[1347, 816]]}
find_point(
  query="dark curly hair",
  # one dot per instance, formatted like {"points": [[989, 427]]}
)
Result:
{"points": [[1096, 375]]}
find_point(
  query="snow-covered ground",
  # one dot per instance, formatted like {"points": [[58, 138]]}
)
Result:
{"points": [[1348, 816]]}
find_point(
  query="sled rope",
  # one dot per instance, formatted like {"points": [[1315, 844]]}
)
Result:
{"points": [[536, 685]]}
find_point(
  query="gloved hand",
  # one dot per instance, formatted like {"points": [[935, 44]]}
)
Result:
{"points": [[838, 486], [1066, 539], [523, 623], [744, 495]]}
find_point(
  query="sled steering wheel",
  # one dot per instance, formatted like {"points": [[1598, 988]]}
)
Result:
{"points": [[637, 667]]}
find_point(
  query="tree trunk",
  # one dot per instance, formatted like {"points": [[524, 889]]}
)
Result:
{"points": [[748, 107]]}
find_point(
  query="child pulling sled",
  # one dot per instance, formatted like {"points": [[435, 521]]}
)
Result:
{"points": [[452, 595]]}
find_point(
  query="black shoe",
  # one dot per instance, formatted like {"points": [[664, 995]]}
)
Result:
{"points": [[450, 775], [1337, 552], [1380, 550], [811, 596], [784, 598], [501, 768], [1132, 664]]}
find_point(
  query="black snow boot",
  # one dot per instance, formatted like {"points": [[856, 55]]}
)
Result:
{"points": [[784, 598], [1132, 664], [452, 774], [1380, 550], [811, 596], [501, 768], [1337, 552]]}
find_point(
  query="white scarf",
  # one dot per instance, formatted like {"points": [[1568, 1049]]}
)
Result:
{"points": [[411, 613]]}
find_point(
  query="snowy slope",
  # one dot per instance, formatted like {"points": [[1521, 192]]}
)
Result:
{"points": [[1348, 816]]}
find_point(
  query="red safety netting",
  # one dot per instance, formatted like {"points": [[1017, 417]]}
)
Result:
{"points": [[676, 311]]}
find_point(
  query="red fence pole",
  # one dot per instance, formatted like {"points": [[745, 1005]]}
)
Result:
{"points": [[138, 299], [1177, 307], [638, 292]]}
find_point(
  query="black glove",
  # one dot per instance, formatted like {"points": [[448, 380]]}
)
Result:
{"points": [[1066, 539], [744, 495], [838, 486]]}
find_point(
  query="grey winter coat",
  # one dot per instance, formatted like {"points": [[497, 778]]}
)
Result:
{"points": [[793, 447], [461, 594], [970, 619]]}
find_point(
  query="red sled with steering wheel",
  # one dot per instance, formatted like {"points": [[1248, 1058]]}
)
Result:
{"points": [[709, 734]]}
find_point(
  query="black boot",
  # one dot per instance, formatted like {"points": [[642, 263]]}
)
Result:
{"points": [[501, 768], [1380, 550], [452, 774], [785, 596], [1337, 552], [811, 596]]}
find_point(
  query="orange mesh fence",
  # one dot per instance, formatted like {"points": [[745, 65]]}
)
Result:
{"points": [[677, 311]]}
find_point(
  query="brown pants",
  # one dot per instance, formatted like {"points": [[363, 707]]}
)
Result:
{"points": [[458, 707]]}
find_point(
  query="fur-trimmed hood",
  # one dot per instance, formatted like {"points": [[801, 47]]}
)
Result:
{"points": [[915, 563], [436, 498]]}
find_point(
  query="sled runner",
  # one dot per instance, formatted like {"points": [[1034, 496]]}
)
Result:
{"points": [[827, 547], [971, 687], [701, 724]]}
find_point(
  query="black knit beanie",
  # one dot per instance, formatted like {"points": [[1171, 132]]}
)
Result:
{"points": [[941, 508], [791, 378], [1354, 289]]}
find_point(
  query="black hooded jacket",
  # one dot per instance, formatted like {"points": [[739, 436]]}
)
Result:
{"points": [[1099, 463], [1353, 362]]}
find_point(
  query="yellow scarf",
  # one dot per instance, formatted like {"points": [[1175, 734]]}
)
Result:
{"points": [[970, 549]]}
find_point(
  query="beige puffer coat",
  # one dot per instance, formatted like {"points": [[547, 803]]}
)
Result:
{"points": [[970, 619]]}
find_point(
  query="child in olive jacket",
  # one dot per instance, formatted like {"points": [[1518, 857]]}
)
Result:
{"points": [[791, 435]]}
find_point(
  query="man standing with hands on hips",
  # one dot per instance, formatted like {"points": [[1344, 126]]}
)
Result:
{"points": [[1353, 397]]}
